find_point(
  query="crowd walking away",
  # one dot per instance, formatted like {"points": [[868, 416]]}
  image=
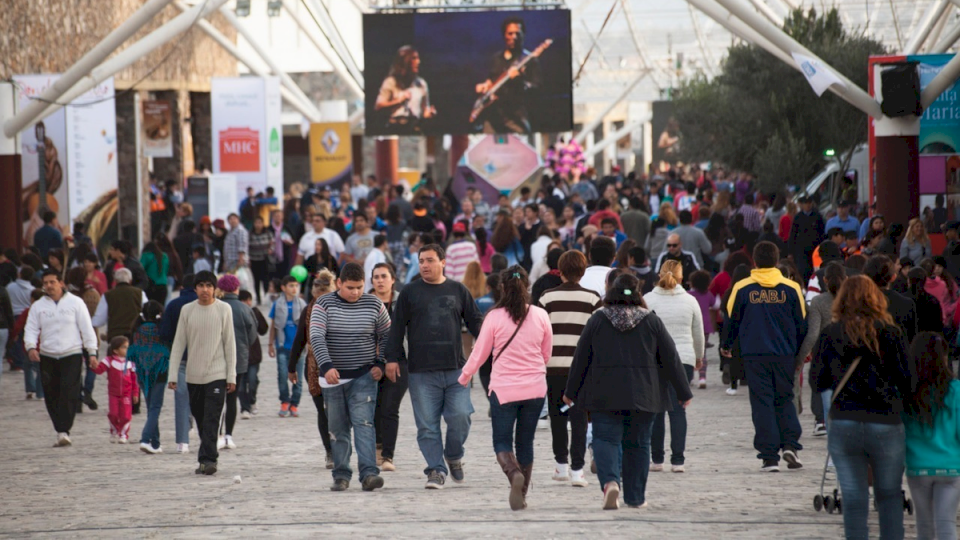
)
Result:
{"points": [[587, 304]]}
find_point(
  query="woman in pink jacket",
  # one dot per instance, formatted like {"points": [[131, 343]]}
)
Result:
{"points": [[518, 339]]}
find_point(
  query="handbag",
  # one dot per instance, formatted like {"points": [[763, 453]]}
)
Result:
{"points": [[509, 341]]}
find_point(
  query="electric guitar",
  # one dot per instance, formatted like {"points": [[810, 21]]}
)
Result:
{"points": [[490, 96]]}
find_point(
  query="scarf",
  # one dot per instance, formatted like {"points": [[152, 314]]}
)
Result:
{"points": [[278, 243]]}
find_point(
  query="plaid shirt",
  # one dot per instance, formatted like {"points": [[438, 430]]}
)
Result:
{"points": [[260, 245], [752, 218], [237, 242]]}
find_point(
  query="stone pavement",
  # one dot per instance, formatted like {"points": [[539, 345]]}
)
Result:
{"points": [[95, 489]]}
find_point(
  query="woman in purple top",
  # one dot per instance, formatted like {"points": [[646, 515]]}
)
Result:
{"points": [[700, 289]]}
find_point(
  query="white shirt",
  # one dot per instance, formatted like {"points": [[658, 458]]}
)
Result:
{"points": [[375, 257], [308, 243], [595, 279], [102, 313], [62, 328], [359, 192]]}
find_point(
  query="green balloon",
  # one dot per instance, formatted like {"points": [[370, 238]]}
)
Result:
{"points": [[299, 272]]}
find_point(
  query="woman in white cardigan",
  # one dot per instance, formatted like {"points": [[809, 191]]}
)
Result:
{"points": [[680, 313]]}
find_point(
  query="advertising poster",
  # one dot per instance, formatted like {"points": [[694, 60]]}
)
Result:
{"points": [[468, 72], [243, 144], [331, 156], [223, 189], [157, 129], [92, 163], [940, 123], [54, 155]]}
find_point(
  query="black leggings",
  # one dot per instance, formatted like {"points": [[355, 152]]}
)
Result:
{"points": [[261, 276], [322, 423], [387, 418]]}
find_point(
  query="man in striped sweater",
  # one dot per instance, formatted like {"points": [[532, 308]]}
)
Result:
{"points": [[348, 333], [570, 307]]}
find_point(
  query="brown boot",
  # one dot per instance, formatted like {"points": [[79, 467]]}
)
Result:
{"points": [[527, 479], [508, 462]]}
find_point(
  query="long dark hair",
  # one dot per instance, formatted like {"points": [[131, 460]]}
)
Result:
{"points": [[930, 354], [400, 69], [916, 278], [514, 292], [481, 234]]}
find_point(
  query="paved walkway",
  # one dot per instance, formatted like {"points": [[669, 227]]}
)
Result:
{"points": [[95, 489]]}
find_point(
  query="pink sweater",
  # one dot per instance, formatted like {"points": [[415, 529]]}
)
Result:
{"points": [[521, 371]]}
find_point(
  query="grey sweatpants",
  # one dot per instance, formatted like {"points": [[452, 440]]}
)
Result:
{"points": [[935, 501]]}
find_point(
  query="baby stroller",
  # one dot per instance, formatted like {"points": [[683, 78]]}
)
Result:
{"points": [[834, 501]]}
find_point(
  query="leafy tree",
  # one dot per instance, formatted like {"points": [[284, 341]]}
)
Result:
{"points": [[761, 116]]}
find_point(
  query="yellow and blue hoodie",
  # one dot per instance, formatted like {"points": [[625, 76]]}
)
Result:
{"points": [[768, 313]]}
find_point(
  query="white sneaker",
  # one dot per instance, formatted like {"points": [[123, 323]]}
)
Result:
{"points": [[113, 438], [703, 383], [560, 473], [63, 440], [228, 441], [731, 391], [183, 448], [149, 449], [254, 410], [577, 479], [656, 467], [245, 415], [676, 468], [221, 443], [123, 440]]}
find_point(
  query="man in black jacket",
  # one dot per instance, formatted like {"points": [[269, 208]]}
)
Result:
{"points": [[675, 252], [806, 233], [880, 269]]}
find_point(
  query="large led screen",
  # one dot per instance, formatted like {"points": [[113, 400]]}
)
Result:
{"points": [[467, 72]]}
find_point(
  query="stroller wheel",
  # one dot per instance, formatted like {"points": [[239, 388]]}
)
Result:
{"points": [[839, 506], [828, 503], [817, 503]]}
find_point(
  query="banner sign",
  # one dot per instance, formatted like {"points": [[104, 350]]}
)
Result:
{"points": [[940, 124], [157, 129], [331, 155], [247, 136]]}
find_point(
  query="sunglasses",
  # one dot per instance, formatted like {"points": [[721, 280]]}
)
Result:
{"points": [[673, 245]]}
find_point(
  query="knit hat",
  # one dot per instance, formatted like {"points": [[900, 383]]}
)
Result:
{"points": [[228, 283]]}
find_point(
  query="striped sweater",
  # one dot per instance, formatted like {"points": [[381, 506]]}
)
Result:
{"points": [[569, 307], [349, 337]]}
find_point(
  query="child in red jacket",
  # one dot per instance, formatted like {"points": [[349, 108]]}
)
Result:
{"points": [[122, 387]]}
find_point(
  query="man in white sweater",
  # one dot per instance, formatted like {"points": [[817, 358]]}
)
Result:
{"points": [[206, 329], [58, 329]]}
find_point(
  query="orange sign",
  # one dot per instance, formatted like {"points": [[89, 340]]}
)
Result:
{"points": [[239, 150]]}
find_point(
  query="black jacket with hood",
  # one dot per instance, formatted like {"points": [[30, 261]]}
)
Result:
{"points": [[624, 361]]}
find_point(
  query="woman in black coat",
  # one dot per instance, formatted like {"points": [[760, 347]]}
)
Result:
{"points": [[623, 363]]}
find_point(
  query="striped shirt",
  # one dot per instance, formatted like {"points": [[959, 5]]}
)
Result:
{"points": [[569, 307], [349, 337], [459, 255]]}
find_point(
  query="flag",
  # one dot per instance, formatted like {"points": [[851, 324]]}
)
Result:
{"points": [[818, 75]]}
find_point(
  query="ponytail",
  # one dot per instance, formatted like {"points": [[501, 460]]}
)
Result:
{"points": [[514, 294], [671, 273]]}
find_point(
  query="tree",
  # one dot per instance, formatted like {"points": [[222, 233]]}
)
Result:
{"points": [[761, 116]]}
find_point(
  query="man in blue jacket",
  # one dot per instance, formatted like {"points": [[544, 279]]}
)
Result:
{"points": [[767, 313]]}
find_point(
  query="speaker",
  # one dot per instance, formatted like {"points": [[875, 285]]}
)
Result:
{"points": [[900, 84]]}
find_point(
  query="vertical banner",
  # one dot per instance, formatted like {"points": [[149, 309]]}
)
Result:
{"points": [[55, 158], [157, 129], [241, 136], [92, 162], [274, 134], [331, 157]]}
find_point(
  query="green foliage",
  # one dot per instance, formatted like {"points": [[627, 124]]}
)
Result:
{"points": [[760, 115]]}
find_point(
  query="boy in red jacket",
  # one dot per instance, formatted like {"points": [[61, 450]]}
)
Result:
{"points": [[122, 387]]}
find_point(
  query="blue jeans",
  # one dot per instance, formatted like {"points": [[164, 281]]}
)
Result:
{"points": [[151, 428], [519, 416], [283, 361], [775, 420], [181, 402], [434, 394], [31, 378], [621, 443], [89, 380], [854, 445], [678, 427], [353, 405], [253, 381]]}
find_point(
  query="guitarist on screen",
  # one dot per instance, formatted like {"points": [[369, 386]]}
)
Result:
{"points": [[507, 113]]}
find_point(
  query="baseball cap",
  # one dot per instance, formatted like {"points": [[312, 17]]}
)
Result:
{"points": [[459, 227]]}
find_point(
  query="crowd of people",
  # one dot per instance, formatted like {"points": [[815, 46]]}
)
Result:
{"points": [[588, 303]]}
